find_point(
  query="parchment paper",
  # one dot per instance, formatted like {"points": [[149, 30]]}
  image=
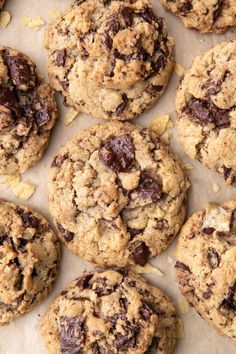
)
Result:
{"points": [[21, 336]]}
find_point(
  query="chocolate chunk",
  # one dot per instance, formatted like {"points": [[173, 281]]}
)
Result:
{"points": [[208, 230], [206, 112], [42, 117], [83, 282], [229, 302], [113, 24], [9, 99], [28, 219], [127, 13], [149, 188], [67, 235], [101, 287], [147, 14], [140, 253], [4, 239], [123, 105], [61, 57], [58, 160], [128, 340], [19, 282], [218, 10], [226, 172], [213, 257], [182, 266], [156, 88], [108, 42], [145, 312], [186, 7], [19, 70], [134, 232], [72, 334], [118, 153], [159, 63]]}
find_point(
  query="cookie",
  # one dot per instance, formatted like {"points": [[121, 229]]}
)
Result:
{"points": [[206, 107], [117, 194], [28, 112], [2, 2], [110, 312], [30, 254], [204, 15], [206, 265], [111, 59]]}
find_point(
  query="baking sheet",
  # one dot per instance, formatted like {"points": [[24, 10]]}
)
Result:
{"points": [[21, 336]]}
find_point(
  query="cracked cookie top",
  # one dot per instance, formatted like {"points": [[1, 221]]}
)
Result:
{"points": [[204, 15], [110, 312], [28, 112], [30, 254], [206, 265], [206, 107], [117, 194], [111, 59]]}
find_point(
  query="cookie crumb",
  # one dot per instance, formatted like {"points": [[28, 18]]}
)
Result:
{"points": [[160, 124], [70, 116], [179, 70], [35, 23], [22, 190], [179, 328], [170, 260], [215, 187], [5, 19], [183, 306], [188, 166], [147, 269], [54, 12]]}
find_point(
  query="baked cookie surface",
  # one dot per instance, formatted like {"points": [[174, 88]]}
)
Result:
{"points": [[117, 194], [30, 254], [110, 312], [111, 59], [206, 107], [206, 265], [204, 15], [28, 112]]}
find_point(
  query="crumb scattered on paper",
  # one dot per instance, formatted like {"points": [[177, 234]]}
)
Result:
{"points": [[54, 12], [35, 23], [179, 328], [5, 19], [180, 71], [215, 188], [159, 126], [70, 116], [147, 269], [22, 190], [188, 166], [170, 260], [183, 306]]}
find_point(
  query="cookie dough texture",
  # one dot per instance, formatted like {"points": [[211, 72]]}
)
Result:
{"points": [[28, 112], [110, 312], [29, 260], [117, 194], [206, 107], [206, 265], [111, 59], [204, 15]]}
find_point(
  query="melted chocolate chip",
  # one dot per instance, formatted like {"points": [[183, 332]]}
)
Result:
{"points": [[208, 230], [229, 302], [149, 188], [182, 266], [159, 64], [145, 312], [213, 257], [127, 13], [123, 104], [207, 294], [19, 70], [147, 14], [42, 117], [186, 7], [9, 99], [67, 235], [206, 112], [118, 153], [113, 25], [128, 340], [58, 160], [72, 334], [134, 232], [28, 219], [218, 10], [108, 42], [140, 253], [226, 172], [101, 287], [83, 282], [61, 57]]}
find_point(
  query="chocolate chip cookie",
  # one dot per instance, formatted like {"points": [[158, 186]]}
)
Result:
{"points": [[28, 112], [117, 194], [204, 15], [30, 254], [206, 265], [111, 59], [110, 312], [206, 107]]}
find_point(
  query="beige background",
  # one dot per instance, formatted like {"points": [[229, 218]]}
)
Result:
{"points": [[21, 337]]}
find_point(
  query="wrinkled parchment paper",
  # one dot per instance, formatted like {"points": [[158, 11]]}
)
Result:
{"points": [[21, 336]]}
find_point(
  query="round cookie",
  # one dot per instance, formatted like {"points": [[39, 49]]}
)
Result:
{"points": [[30, 254], [206, 107], [111, 59], [206, 265], [204, 15], [117, 194], [28, 112], [110, 312]]}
